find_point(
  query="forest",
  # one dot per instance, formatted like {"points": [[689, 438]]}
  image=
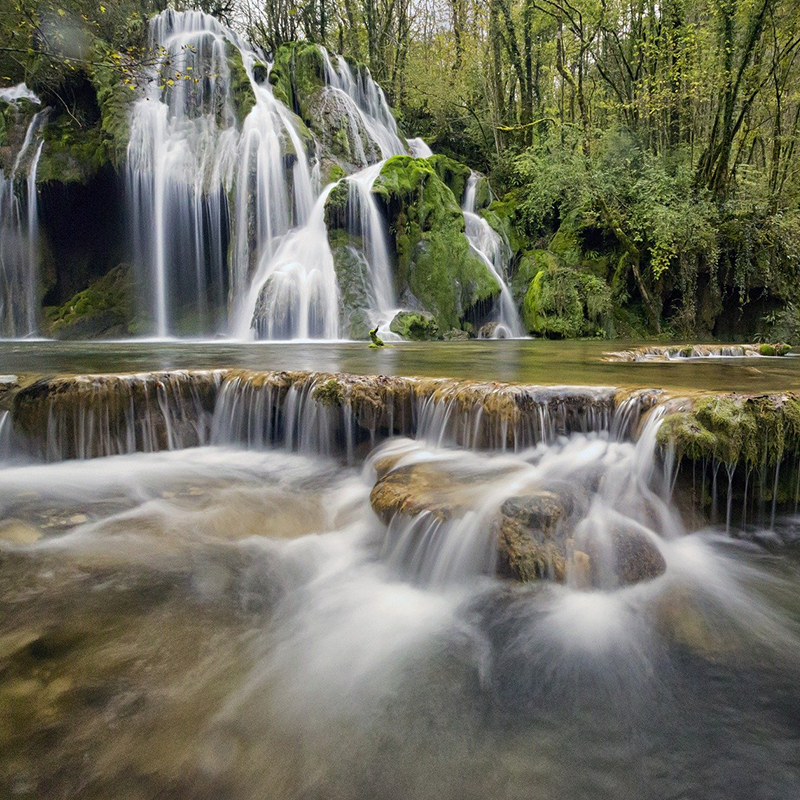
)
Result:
{"points": [[642, 156]]}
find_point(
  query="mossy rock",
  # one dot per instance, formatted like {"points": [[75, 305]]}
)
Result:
{"points": [[566, 303], [503, 216], [418, 326], [434, 261], [779, 349], [115, 99], [352, 275], [452, 173], [241, 88], [735, 429], [297, 73], [15, 118], [103, 309], [72, 153]]}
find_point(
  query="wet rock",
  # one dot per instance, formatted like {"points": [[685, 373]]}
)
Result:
{"points": [[529, 543], [629, 557], [418, 326], [16, 531], [456, 335], [416, 489]]}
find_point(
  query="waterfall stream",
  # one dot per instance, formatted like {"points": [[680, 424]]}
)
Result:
{"points": [[19, 229], [494, 252]]}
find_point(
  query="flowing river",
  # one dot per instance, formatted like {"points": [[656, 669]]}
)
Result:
{"points": [[274, 586]]}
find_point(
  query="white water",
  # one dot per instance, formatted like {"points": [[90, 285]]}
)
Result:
{"points": [[487, 244], [228, 214], [19, 229], [197, 177]]}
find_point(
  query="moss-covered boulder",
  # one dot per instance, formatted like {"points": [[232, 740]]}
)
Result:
{"points": [[241, 88], [735, 429], [452, 173], [103, 310], [418, 326], [565, 303], [435, 266]]}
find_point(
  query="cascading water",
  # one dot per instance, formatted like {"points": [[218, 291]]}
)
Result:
{"points": [[365, 108], [295, 294], [199, 177], [19, 228], [493, 251]]}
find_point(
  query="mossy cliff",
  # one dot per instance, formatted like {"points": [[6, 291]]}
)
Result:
{"points": [[742, 447], [435, 267]]}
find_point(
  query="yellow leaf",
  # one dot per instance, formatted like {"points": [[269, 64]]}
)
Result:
{"points": [[102, 9]]}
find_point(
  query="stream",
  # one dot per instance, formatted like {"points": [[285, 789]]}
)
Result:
{"points": [[230, 617]]}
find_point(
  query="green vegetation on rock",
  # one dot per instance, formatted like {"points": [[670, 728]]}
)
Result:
{"points": [[434, 261], [103, 309], [418, 326], [733, 429], [564, 302]]}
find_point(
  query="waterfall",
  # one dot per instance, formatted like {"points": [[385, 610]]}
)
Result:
{"points": [[324, 413], [294, 294], [19, 229], [364, 105], [199, 177], [493, 251]]}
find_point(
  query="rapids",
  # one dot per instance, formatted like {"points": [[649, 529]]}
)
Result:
{"points": [[226, 616]]}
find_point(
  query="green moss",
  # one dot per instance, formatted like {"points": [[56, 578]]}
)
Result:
{"points": [[104, 308], [732, 429], [352, 275], [503, 216], [72, 153], [566, 303], [418, 326], [242, 90], [434, 261], [329, 394], [452, 173], [778, 349], [298, 72], [529, 266], [114, 98]]}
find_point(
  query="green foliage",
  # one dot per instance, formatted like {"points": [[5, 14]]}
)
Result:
{"points": [[565, 303]]}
